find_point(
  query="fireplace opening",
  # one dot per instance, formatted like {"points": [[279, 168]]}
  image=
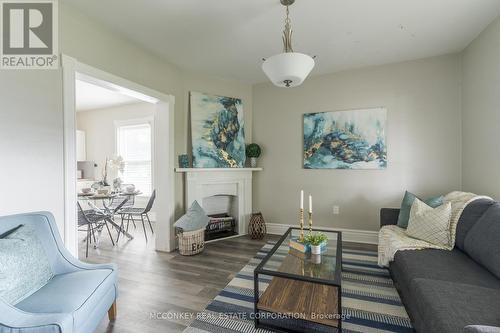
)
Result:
{"points": [[222, 211]]}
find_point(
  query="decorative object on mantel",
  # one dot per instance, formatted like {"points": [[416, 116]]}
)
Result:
{"points": [[217, 129], [253, 151], [288, 69], [353, 139], [183, 161], [257, 226]]}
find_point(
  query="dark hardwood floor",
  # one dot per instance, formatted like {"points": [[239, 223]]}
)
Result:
{"points": [[152, 283]]}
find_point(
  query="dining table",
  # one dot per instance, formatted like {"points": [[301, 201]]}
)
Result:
{"points": [[95, 197]]}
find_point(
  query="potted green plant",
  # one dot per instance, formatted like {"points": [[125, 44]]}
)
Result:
{"points": [[315, 240], [253, 151]]}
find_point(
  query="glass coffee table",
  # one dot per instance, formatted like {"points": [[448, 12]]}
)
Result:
{"points": [[303, 289]]}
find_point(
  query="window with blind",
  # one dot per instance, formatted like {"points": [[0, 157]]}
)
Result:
{"points": [[134, 145]]}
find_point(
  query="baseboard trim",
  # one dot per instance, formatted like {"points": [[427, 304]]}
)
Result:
{"points": [[348, 235]]}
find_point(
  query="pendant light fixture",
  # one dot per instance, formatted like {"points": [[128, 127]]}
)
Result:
{"points": [[288, 69]]}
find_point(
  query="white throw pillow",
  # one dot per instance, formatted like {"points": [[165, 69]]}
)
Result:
{"points": [[430, 224]]}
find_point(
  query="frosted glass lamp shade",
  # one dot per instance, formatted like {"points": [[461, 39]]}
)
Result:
{"points": [[288, 69]]}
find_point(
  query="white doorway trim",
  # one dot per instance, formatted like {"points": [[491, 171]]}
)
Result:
{"points": [[163, 163]]}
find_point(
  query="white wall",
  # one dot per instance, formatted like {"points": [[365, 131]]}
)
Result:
{"points": [[481, 113], [99, 127], [31, 142], [423, 133]]}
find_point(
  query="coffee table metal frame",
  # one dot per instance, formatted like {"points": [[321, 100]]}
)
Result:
{"points": [[336, 282]]}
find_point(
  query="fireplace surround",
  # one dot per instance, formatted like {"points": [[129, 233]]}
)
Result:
{"points": [[236, 183]]}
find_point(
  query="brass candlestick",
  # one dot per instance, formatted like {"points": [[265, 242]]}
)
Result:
{"points": [[310, 222], [301, 221]]}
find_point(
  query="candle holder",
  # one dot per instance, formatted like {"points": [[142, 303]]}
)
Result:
{"points": [[301, 222], [310, 222]]}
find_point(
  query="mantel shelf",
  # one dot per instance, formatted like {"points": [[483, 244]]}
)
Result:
{"points": [[179, 170]]}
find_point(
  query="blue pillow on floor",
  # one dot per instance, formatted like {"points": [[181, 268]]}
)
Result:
{"points": [[404, 212], [194, 219]]}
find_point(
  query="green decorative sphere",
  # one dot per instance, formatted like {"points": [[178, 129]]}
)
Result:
{"points": [[253, 150]]}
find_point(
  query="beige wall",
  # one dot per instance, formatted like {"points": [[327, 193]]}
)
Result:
{"points": [[93, 44], [31, 143], [423, 133], [481, 113]]}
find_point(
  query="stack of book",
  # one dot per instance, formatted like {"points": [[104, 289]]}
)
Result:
{"points": [[220, 225]]}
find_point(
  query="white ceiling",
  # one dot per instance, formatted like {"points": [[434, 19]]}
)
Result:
{"points": [[91, 97], [228, 38]]}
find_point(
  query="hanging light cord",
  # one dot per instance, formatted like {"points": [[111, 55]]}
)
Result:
{"points": [[287, 33]]}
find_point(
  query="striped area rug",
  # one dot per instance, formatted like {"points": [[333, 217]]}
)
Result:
{"points": [[370, 301]]}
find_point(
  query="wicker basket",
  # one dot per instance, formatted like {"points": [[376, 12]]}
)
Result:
{"points": [[191, 242]]}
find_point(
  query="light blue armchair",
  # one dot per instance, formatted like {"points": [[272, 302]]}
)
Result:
{"points": [[75, 300]]}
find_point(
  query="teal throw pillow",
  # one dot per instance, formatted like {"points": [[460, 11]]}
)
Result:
{"points": [[194, 219], [404, 212], [24, 266]]}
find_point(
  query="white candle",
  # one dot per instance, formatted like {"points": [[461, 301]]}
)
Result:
{"points": [[310, 203], [301, 199]]}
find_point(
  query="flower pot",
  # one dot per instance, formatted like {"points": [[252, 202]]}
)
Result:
{"points": [[315, 249], [316, 259], [253, 162]]}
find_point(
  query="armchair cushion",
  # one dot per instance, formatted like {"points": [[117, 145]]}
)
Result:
{"points": [[24, 267], [78, 293]]}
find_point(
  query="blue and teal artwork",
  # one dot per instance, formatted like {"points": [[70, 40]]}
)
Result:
{"points": [[345, 139], [217, 131]]}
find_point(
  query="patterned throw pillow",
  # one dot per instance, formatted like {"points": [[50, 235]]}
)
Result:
{"points": [[24, 266], [430, 224]]}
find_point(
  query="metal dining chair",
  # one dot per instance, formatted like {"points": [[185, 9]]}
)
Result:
{"points": [[93, 220], [130, 212]]}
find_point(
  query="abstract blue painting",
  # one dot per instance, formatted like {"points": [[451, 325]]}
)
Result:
{"points": [[217, 131], [345, 139]]}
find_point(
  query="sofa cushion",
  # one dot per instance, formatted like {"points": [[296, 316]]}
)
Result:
{"points": [[471, 214], [454, 266], [404, 212], [24, 266], [448, 307], [483, 240]]}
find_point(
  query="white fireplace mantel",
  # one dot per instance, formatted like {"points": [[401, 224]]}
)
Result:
{"points": [[202, 183]]}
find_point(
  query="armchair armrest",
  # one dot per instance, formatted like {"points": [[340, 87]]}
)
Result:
{"points": [[15, 320], [389, 216]]}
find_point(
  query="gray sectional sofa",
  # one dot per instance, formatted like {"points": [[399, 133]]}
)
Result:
{"points": [[447, 291]]}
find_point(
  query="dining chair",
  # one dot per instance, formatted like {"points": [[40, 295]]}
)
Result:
{"points": [[116, 205], [130, 212], [94, 220]]}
